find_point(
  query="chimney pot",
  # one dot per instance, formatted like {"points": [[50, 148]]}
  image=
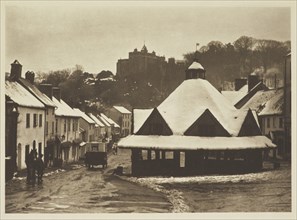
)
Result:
{"points": [[15, 70], [30, 75], [47, 89], [57, 93]]}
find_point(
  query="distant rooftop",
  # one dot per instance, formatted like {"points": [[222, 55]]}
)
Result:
{"points": [[84, 116], [122, 109]]}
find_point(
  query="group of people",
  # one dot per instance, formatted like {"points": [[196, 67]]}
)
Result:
{"points": [[35, 167]]}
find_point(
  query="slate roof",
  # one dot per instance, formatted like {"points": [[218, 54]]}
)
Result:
{"points": [[259, 100], [37, 93], [63, 109], [122, 109], [17, 93], [109, 120], [106, 123], [84, 116], [275, 105], [96, 120]]}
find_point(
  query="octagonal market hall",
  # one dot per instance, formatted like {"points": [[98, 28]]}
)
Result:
{"points": [[195, 130]]}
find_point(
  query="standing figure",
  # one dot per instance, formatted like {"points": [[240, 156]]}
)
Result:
{"points": [[115, 148], [39, 167], [30, 166]]}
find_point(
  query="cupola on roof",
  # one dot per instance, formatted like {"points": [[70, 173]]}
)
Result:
{"points": [[196, 65], [195, 71]]}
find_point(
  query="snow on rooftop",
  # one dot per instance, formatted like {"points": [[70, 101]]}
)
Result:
{"points": [[275, 105], [234, 96], [84, 116], [256, 102], [122, 109], [109, 120], [196, 65], [34, 90], [106, 123], [188, 101], [245, 89], [139, 117], [96, 120], [180, 142], [256, 117], [17, 93], [63, 109]]}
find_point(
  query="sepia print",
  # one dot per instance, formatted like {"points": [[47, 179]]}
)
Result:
{"points": [[159, 109]]}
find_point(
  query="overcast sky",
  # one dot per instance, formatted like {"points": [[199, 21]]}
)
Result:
{"points": [[48, 37]]}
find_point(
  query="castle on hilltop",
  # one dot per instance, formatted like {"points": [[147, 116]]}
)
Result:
{"points": [[151, 67]]}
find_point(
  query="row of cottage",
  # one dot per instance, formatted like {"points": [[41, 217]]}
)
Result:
{"points": [[37, 118]]}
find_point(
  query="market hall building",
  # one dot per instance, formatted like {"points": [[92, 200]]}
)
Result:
{"points": [[195, 130]]}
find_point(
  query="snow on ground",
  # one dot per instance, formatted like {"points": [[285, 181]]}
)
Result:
{"points": [[175, 197]]}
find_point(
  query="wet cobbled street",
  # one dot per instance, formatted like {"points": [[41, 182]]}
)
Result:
{"points": [[82, 190]]}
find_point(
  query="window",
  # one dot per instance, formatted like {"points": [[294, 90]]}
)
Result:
{"points": [[64, 125], [27, 120], [69, 124], [35, 120], [39, 149], [281, 122], [40, 120], [268, 122], [56, 125], [73, 125], [46, 110], [53, 127], [274, 121], [46, 128]]}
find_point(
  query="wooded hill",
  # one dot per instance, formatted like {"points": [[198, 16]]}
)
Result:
{"points": [[223, 62]]}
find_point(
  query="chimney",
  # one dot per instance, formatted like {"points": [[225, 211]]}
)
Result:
{"points": [[57, 93], [29, 75], [47, 89], [239, 83], [195, 71], [253, 80], [16, 70]]}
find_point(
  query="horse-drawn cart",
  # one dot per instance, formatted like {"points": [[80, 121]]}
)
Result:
{"points": [[96, 155]]}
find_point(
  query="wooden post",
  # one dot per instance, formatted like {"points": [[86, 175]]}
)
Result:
{"points": [[149, 154], [157, 154], [163, 154], [176, 157]]}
